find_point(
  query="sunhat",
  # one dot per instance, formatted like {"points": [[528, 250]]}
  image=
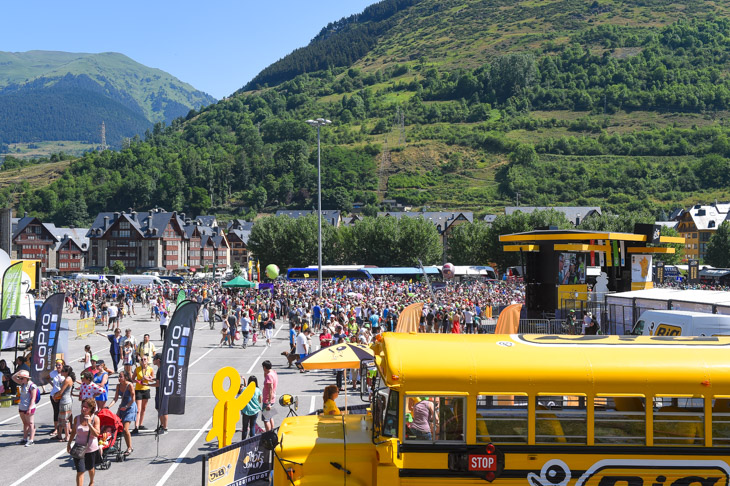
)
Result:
{"points": [[22, 374]]}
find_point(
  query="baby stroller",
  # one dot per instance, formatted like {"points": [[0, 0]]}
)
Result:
{"points": [[110, 439]]}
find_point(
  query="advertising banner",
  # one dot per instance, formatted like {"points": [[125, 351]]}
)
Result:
{"points": [[641, 274], [623, 253], [571, 268], [11, 299], [659, 276], [238, 464], [12, 291], [45, 339], [180, 297], [694, 271], [176, 358], [267, 287]]}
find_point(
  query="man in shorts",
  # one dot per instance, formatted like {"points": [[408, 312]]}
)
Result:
{"points": [[271, 380], [302, 346], [113, 316]]}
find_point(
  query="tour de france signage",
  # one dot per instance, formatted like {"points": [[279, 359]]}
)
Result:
{"points": [[564, 268]]}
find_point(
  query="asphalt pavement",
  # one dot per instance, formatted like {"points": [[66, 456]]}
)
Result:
{"points": [[176, 457]]}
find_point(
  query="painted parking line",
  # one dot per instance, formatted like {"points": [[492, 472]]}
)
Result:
{"points": [[38, 468], [18, 416], [184, 453]]}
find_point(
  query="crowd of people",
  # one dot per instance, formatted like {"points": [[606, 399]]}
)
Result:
{"points": [[684, 285], [348, 311]]}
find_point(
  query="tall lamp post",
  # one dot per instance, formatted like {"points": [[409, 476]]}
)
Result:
{"points": [[319, 123]]}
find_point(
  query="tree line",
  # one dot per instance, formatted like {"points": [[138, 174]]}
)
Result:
{"points": [[382, 241]]}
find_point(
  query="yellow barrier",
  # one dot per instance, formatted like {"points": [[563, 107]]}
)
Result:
{"points": [[85, 327]]}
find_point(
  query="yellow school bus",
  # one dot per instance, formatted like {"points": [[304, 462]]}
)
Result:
{"points": [[539, 410]]}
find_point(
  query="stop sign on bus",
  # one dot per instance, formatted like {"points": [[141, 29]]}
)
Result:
{"points": [[482, 462]]}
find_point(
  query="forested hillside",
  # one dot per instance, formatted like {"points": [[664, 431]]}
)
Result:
{"points": [[65, 96], [455, 104]]}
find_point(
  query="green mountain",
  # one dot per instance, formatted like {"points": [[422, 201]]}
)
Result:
{"points": [[455, 104], [48, 95]]}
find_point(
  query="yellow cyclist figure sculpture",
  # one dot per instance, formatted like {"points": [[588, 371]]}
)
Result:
{"points": [[228, 409]]}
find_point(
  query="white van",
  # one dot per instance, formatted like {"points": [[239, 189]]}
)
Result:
{"points": [[681, 323], [143, 280], [93, 277]]}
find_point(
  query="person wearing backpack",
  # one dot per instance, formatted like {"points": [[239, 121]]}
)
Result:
{"points": [[29, 396]]}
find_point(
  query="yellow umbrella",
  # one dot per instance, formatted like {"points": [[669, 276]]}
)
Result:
{"points": [[338, 356]]}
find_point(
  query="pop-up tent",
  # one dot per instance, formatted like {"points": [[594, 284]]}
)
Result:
{"points": [[239, 283]]}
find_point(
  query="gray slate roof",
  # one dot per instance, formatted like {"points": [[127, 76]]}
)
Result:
{"points": [[668, 224], [332, 216], [149, 224], [243, 235], [570, 212], [239, 224], [441, 219], [206, 220], [489, 218], [77, 235]]}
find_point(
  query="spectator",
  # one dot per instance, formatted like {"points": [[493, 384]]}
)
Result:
{"points": [[331, 392], [86, 431], [250, 412], [271, 380], [127, 411], [27, 405], [144, 376], [65, 403]]}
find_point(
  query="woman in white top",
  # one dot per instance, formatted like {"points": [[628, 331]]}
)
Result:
{"points": [[87, 357], [57, 380], [163, 324]]}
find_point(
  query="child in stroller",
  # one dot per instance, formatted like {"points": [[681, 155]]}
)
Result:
{"points": [[110, 438]]}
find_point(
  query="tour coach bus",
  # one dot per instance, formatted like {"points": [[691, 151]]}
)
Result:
{"points": [[540, 410], [329, 272]]}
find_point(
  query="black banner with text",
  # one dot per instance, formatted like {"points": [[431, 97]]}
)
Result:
{"points": [[45, 339], [176, 358]]}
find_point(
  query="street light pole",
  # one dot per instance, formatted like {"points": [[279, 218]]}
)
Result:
{"points": [[319, 123]]}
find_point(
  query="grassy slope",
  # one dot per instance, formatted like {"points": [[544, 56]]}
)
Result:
{"points": [[46, 149], [36, 175], [468, 34]]}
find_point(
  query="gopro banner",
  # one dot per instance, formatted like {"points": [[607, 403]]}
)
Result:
{"points": [[176, 358], [45, 339], [238, 464]]}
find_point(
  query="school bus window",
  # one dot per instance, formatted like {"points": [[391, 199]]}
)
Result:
{"points": [[560, 419], [679, 421], [434, 418], [502, 419], [721, 421], [390, 422], [619, 420]]}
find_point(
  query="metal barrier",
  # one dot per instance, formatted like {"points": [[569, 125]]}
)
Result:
{"points": [[85, 327], [531, 326]]}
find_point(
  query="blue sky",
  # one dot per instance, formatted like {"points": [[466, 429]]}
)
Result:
{"points": [[215, 45]]}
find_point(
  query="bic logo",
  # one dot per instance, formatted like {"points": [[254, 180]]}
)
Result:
{"points": [[636, 472], [218, 473], [667, 330]]}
